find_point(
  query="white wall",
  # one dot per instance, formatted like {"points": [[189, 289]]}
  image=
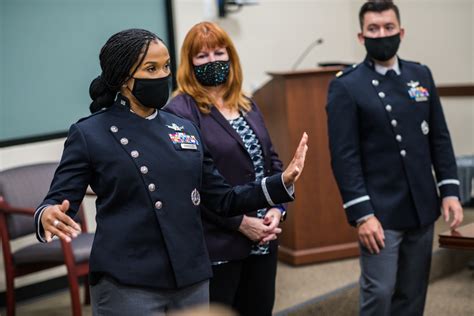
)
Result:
{"points": [[47, 151], [270, 37]]}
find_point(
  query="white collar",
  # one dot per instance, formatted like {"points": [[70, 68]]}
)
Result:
{"points": [[383, 70], [149, 117]]}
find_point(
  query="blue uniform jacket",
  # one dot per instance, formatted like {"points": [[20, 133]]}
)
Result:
{"points": [[386, 137], [224, 241], [150, 177]]}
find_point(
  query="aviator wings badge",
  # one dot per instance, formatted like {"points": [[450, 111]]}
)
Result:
{"points": [[175, 127]]}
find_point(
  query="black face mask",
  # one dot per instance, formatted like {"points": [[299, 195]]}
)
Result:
{"points": [[152, 93], [213, 73], [382, 48]]}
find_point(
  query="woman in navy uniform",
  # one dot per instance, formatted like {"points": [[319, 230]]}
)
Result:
{"points": [[209, 94], [387, 134], [149, 170]]}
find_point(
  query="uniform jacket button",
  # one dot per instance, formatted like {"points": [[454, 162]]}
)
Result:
{"points": [[382, 95], [398, 138], [394, 123], [151, 187], [388, 107], [123, 141], [403, 152], [144, 169], [134, 153], [375, 82], [113, 129], [158, 205]]}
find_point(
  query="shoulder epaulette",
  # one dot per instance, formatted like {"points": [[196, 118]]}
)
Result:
{"points": [[347, 70], [92, 115], [412, 62]]}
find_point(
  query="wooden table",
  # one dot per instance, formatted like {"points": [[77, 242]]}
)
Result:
{"points": [[461, 238]]}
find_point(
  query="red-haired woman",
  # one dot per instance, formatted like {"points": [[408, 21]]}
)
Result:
{"points": [[243, 249]]}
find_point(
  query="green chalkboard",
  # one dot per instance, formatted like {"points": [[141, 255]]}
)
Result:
{"points": [[49, 53]]}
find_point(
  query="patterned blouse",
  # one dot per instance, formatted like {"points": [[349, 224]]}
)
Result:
{"points": [[252, 144]]}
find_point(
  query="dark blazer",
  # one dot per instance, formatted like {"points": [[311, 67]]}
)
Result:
{"points": [[223, 239], [149, 181], [386, 134]]}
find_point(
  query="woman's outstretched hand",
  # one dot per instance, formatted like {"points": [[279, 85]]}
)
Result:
{"points": [[56, 222], [294, 169]]}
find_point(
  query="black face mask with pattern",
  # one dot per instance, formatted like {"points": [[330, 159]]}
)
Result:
{"points": [[382, 48], [213, 73]]}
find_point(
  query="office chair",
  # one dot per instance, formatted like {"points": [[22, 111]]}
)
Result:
{"points": [[21, 191]]}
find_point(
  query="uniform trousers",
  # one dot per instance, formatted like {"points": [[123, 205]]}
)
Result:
{"points": [[247, 285], [109, 297], [395, 281]]}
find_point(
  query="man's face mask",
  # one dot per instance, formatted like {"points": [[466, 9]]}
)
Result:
{"points": [[382, 48], [213, 73]]}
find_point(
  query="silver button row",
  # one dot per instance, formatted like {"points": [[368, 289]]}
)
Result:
{"points": [[143, 169], [403, 152], [394, 123]]}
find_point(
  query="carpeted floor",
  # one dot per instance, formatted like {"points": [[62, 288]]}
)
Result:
{"points": [[450, 295]]}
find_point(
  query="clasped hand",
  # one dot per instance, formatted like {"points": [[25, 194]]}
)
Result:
{"points": [[262, 230]]}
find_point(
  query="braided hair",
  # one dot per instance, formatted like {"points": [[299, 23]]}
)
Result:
{"points": [[117, 57]]}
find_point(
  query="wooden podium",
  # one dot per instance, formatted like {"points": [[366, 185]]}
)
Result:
{"points": [[316, 228], [461, 238]]}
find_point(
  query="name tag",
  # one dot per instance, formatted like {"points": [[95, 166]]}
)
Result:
{"points": [[189, 146]]}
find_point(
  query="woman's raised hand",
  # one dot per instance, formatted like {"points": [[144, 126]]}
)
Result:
{"points": [[294, 169]]}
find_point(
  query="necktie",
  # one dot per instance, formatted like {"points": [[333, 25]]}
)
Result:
{"points": [[391, 74]]}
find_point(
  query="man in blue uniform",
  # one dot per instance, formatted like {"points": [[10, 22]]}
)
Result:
{"points": [[387, 134]]}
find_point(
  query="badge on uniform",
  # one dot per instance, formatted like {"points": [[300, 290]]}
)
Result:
{"points": [[196, 197], [425, 129], [417, 92], [185, 141], [175, 127]]}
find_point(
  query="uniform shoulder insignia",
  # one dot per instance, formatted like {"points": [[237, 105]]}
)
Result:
{"points": [[416, 65], [412, 62], [347, 70], [92, 115]]}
